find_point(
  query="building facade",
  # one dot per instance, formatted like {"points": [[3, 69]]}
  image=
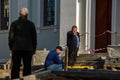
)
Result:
{"points": [[97, 21]]}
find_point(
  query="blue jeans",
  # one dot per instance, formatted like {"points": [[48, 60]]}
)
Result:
{"points": [[55, 67]]}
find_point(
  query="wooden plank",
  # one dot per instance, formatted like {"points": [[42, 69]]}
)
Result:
{"points": [[66, 59]]}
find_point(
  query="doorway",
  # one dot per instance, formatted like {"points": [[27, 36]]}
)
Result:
{"points": [[102, 24]]}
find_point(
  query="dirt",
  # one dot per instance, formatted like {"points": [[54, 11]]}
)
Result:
{"points": [[4, 73]]}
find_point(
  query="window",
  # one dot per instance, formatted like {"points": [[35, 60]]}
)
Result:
{"points": [[49, 12], [4, 14]]}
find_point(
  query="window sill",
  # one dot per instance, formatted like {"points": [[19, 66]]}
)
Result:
{"points": [[48, 27], [4, 31]]}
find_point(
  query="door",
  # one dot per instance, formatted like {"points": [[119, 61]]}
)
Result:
{"points": [[103, 23]]}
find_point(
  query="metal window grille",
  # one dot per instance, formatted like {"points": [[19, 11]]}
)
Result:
{"points": [[4, 17], [49, 12]]}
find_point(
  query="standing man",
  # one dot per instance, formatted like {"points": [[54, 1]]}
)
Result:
{"points": [[73, 43], [53, 61], [22, 43]]}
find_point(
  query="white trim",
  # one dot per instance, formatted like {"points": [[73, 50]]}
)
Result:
{"points": [[82, 24], [77, 13], [88, 22]]}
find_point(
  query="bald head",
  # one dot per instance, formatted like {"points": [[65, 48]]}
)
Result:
{"points": [[23, 12]]}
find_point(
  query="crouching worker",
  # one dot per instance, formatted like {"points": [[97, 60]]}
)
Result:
{"points": [[52, 61]]}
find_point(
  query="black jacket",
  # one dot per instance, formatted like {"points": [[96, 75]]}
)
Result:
{"points": [[22, 35], [72, 41]]}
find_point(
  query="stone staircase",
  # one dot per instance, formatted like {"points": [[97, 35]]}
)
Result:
{"points": [[96, 60]]}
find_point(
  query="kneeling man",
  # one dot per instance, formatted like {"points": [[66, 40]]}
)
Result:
{"points": [[52, 61]]}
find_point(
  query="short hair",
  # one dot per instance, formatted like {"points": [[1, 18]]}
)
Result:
{"points": [[23, 12], [74, 26], [59, 47]]}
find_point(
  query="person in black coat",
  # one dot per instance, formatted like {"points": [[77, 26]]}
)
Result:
{"points": [[73, 43], [22, 43]]}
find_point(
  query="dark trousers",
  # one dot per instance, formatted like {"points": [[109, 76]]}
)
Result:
{"points": [[72, 56], [17, 56]]}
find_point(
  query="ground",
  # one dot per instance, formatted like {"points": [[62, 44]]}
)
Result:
{"points": [[4, 73]]}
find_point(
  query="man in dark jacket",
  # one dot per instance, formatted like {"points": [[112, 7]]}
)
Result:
{"points": [[22, 43], [52, 61], [73, 43]]}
